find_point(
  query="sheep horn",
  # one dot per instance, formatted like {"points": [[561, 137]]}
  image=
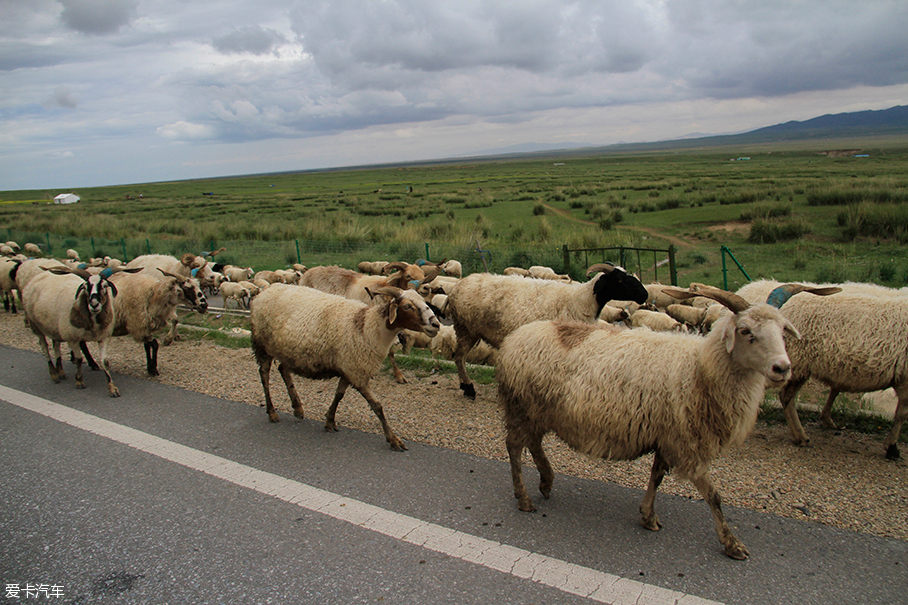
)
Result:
{"points": [[187, 259], [600, 268], [396, 265], [430, 275], [179, 278], [729, 299], [780, 295], [384, 291]]}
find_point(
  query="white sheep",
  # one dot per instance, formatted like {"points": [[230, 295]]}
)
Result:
{"points": [[272, 277], [6, 250], [72, 254], [540, 272], [610, 314], [516, 271], [489, 307], [33, 250], [188, 265], [72, 306], [656, 321], [854, 342], [690, 316], [372, 267], [593, 385], [145, 305], [658, 297], [319, 335], [237, 274], [452, 268], [238, 292]]}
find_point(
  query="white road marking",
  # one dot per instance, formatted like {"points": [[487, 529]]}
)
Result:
{"points": [[562, 575]]}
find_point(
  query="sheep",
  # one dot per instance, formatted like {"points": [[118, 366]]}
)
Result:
{"points": [[299, 268], [854, 342], [319, 335], [272, 277], [289, 276], [516, 271], [656, 321], [489, 307], [72, 254], [540, 272], [8, 269], [237, 274], [72, 306], [658, 297], [445, 343], [33, 250], [452, 268], [357, 286], [254, 290], [593, 386], [372, 267], [241, 294], [13, 246], [6, 250], [612, 315], [145, 304], [188, 265], [692, 317]]}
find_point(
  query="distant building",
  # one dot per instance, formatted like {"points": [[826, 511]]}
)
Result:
{"points": [[66, 198]]}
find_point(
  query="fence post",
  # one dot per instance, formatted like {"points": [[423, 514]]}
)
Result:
{"points": [[148, 245], [427, 252], [567, 259], [672, 271], [298, 257]]}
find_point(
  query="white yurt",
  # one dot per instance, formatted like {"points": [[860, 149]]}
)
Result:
{"points": [[66, 198]]}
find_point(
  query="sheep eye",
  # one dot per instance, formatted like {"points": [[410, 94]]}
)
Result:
{"points": [[745, 332]]}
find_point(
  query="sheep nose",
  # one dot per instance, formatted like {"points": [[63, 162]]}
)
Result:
{"points": [[781, 369]]}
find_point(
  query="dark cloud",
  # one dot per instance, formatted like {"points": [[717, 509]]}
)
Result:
{"points": [[249, 39], [97, 16]]}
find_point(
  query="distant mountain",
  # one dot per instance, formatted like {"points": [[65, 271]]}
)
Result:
{"points": [[831, 126]]}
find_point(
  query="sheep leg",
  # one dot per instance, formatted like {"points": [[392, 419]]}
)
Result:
{"points": [[83, 346], [734, 548], [172, 335], [56, 371], [291, 390], [398, 375], [77, 353], [105, 364], [546, 474], [151, 356], [265, 376], [650, 520], [465, 343], [826, 414], [396, 444], [790, 408], [515, 447], [901, 413], [330, 424]]}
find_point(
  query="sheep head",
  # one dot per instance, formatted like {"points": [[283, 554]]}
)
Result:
{"points": [[191, 291], [407, 310], [614, 283]]}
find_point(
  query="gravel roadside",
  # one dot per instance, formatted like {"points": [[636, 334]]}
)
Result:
{"points": [[843, 480]]}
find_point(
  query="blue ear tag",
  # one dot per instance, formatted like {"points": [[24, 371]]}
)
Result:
{"points": [[193, 272], [82, 266], [778, 297], [106, 273], [415, 283]]}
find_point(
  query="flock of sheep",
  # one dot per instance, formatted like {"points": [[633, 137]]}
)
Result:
{"points": [[617, 369]]}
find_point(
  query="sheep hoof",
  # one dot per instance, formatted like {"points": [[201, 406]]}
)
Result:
{"points": [[331, 427], [803, 442], [651, 523], [299, 414], [468, 389], [892, 452], [526, 505], [114, 391], [397, 445], [736, 550], [80, 384], [273, 417]]}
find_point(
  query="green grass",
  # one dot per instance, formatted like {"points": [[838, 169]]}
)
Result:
{"points": [[788, 213]]}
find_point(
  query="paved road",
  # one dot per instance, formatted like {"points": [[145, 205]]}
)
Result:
{"points": [[167, 496]]}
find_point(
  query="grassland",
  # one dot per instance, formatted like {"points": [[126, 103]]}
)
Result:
{"points": [[789, 211]]}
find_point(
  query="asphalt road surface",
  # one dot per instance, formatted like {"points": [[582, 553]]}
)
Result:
{"points": [[168, 496]]}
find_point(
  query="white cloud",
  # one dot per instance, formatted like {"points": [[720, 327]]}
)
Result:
{"points": [[185, 131]]}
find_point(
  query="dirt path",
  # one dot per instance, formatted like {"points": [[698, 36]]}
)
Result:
{"points": [[676, 241]]}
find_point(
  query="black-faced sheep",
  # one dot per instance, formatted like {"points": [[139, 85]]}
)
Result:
{"points": [[8, 269], [71, 306], [319, 335], [489, 307], [854, 342], [145, 305], [593, 385]]}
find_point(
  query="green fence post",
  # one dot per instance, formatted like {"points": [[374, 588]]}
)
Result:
{"points": [[724, 270], [672, 270], [298, 257], [148, 245], [567, 259]]}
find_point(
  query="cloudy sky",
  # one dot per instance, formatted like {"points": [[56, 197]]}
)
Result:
{"points": [[100, 92]]}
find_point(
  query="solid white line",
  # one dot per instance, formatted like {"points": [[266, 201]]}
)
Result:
{"points": [[564, 576]]}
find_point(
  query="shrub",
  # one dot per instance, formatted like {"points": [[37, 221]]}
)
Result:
{"points": [[538, 210], [764, 231]]}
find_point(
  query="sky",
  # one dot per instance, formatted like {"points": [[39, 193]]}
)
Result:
{"points": [[104, 92]]}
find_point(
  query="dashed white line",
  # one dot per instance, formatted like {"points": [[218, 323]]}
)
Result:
{"points": [[562, 575]]}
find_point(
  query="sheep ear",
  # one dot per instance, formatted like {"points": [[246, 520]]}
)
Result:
{"points": [[789, 328], [392, 311], [731, 326], [113, 288]]}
